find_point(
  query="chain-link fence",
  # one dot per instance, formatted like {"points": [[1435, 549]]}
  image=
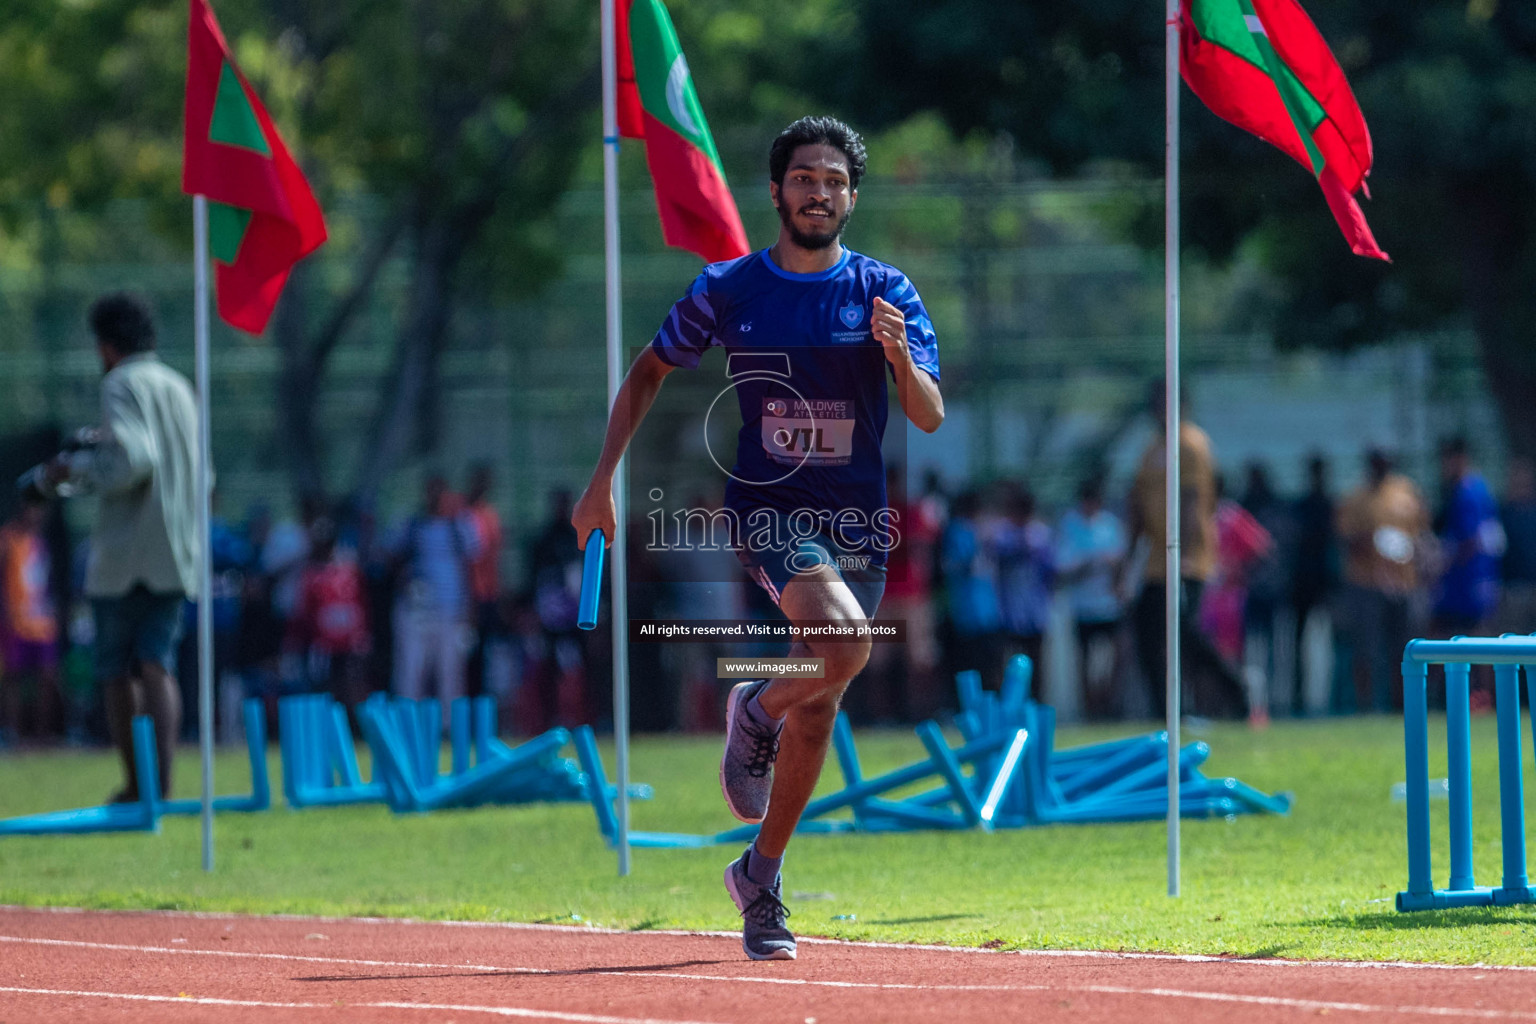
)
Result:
{"points": [[1050, 330]]}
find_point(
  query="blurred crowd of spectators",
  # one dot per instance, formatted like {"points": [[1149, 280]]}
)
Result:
{"points": [[327, 601], [1294, 604]]}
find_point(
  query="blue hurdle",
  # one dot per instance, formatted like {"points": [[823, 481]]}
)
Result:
{"points": [[260, 798], [319, 760], [143, 816], [1507, 655], [406, 742], [973, 799], [415, 785], [1016, 778], [320, 767], [1120, 780]]}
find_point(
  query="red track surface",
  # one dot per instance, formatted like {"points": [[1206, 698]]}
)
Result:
{"points": [[79, 967]]}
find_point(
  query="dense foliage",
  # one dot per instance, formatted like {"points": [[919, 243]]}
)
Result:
{"points": [[443, 136]]}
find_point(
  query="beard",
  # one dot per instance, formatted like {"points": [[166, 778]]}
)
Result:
{"points": [[816, 240]]}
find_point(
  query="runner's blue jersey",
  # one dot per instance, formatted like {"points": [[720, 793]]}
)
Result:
{"points": [[809, 377]]}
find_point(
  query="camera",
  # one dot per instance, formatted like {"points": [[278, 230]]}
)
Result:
{"points": [[34, 484]]}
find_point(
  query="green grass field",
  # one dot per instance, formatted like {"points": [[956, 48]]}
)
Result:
{"points": [[1318, 883]]}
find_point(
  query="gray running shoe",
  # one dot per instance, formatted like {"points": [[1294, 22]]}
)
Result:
{"points": [[746, 767], [763, 935]]}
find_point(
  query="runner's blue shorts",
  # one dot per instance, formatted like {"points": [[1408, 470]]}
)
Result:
{"points": [[799, 547]]}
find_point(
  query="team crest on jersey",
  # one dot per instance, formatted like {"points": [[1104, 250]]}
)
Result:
{"points": [[777, 407], [852, 314]]}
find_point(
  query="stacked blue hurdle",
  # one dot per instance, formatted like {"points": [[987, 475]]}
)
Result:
{"points": [[959, 801], [1121, 780], [404, 737], [1506, 654], [1016, 779], [320, 766]]}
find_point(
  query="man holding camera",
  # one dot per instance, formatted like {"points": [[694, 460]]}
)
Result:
{"points": [[143, 552]]}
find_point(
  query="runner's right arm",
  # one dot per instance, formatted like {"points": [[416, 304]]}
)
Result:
{"points": [[594, 510]]}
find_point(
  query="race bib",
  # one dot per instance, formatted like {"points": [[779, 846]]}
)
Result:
{"points": [[812, 432]]}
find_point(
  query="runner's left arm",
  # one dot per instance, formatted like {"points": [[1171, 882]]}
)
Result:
{"points": [[906, 335]]}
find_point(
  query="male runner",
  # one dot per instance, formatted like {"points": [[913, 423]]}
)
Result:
{"points": [[818, 326]]}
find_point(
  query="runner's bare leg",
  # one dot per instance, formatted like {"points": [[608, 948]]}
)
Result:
{"points": [[808, 706]]}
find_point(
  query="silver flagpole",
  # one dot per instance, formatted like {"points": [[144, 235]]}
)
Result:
{"points": [[617, 560], [204, 515], [1171, 436]]}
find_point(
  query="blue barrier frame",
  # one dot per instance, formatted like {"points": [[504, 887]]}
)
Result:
{"points": [[1016, 778], [861, 796], [1508, 655], [143, 816], [405, 739], [254, 714], [320, 766]]}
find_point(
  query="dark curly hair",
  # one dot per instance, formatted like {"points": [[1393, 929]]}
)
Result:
{"points": [[817, 131], [123, 321]]}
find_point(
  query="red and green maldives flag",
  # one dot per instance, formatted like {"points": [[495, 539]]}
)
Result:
{"points": [[1262, 65], [262, 217], [657, 103]]}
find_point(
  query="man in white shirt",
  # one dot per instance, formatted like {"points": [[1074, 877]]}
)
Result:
{"points": [[143, 553]]}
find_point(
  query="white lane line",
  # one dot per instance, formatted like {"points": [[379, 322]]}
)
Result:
{"points": [[251, 955], [1312, 1005], [1102, 954], [1168, 993], [1462, 1013], [500, 1011], [499, 969]]}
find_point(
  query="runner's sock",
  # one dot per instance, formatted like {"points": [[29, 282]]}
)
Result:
{"points": [[762, 870], [759, 715]]}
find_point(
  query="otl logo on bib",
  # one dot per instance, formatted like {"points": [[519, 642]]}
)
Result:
{"points": [[814, 432]]}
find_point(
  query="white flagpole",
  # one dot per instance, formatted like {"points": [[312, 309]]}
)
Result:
{"points": [[204, 515], [617, 557], [1171, 436]]}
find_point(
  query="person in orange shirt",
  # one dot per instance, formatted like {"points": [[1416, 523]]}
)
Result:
{"points": [[29, 625], [1219, 692]]}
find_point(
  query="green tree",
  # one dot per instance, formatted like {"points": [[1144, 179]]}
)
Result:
{"points": [[439, 138], [464, 122], [460, 124], [1448, 88]]}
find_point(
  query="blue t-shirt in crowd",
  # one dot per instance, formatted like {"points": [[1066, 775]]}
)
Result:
{"points": [[1474, 541], [809, 377], [1026, 570], [970, 579]]}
